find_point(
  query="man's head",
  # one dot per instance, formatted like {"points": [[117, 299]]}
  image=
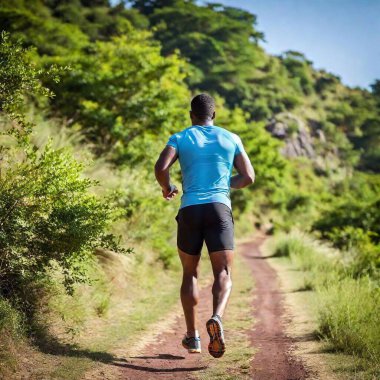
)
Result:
{"points": [[202, 109]]}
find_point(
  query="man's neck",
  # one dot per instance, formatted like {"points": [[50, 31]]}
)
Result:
{"points": [[203, 123]]}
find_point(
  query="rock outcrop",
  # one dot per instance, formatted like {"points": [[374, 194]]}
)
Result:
{"points": [[299, 141]]}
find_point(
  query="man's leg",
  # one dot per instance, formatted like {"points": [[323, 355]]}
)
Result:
{"points": [[221, 262], [189, 290]]}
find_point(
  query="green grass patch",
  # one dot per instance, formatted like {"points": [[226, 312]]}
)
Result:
{"points": [[11, 332], [348, 308], [349, 317], [148, 287], [320, 263]]}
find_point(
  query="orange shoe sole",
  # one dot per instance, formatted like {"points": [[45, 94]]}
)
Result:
{"points": [[217, 346]]}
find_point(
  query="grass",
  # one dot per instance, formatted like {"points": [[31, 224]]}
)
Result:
{"points": [[310, 256], [236, 363], [147, 286], [317, 353], [349, 317], [83, 330], [11, 331], [348, 308]]}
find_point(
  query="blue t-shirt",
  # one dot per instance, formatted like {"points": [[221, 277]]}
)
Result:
{"points": [[206, 155]]}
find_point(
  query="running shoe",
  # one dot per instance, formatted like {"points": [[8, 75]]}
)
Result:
{"points": [[192, 344], [217, 345]]}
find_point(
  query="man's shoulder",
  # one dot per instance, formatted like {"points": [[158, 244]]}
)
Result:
{"points": [[228, 133], [179, 134], [218, 129]]}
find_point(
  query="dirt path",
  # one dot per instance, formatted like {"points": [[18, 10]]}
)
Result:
{"points": [[274, 360], [166, 359]]}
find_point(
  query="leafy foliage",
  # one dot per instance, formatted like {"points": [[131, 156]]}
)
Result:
{"points": [[126, 95], [17, 77], [47, 213]]}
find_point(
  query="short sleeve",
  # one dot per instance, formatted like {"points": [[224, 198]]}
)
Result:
{"points": [[239, 145], [173, 142]]}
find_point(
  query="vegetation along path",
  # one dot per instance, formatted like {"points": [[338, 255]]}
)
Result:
{"points": [[163, 357]]}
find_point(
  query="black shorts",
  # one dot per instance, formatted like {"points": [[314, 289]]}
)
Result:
{"points": [[209, 222]]}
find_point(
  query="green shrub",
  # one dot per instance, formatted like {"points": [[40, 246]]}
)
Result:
{"points": [[47, 214], [361, 255], [18, 76], [47, 211], [298, 201], [363, 213]]}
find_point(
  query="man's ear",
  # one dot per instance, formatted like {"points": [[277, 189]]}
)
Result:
{"points": [[191, 115], [213, 116]]}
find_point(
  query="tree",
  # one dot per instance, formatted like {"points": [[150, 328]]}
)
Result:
{"points": [[376, 88], [123, 94], [220, 43]]}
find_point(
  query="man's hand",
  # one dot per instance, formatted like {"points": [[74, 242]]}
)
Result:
{"points": [[170, 192]]}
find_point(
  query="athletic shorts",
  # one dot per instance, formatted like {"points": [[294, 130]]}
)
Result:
{"points": [[209, 222]]}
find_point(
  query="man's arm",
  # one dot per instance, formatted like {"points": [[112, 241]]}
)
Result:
{"points": [[167, 158], [246, 173]]}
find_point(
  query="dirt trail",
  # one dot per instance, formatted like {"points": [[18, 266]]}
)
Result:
{"points": [[274, 360], [166, 359]]}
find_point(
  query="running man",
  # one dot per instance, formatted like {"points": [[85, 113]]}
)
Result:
{"points": [[206, 154]]}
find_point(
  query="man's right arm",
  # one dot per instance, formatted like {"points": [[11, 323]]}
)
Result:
{"points": [[246, 173]]}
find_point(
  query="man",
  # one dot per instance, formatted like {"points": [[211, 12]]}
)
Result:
{"points": [[206, 154]]}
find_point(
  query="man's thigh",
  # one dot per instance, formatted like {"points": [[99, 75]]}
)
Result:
{"points": [[189, 230], [219, 228]]}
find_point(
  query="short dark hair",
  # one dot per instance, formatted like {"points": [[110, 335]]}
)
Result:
{"points": [[203, 106]]}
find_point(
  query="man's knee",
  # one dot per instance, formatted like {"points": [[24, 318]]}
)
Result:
{"points": [[223, 280]]}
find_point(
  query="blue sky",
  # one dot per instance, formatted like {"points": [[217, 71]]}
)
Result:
{"points": [[340, 36]]}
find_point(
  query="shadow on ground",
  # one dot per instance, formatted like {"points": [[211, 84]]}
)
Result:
{"points": [[160, 356], [153, 369], [52, 346]]}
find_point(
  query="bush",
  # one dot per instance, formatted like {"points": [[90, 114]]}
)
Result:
{"points": [[288, 245], [351, 213], [47, 214], [19, 76], [363, 257], [298, 201]]}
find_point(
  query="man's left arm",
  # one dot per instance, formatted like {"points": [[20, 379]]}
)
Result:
{"points": [[166, 159]]}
